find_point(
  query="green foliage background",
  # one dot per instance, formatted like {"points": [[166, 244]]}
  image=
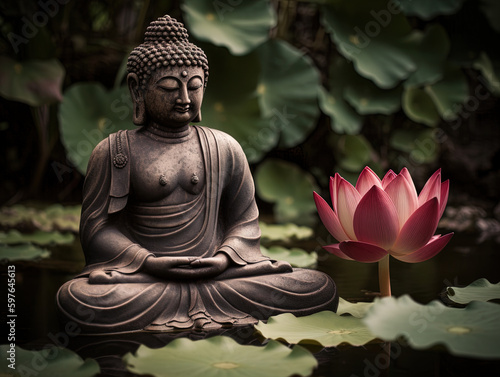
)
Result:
{"points": [[308, 88]]}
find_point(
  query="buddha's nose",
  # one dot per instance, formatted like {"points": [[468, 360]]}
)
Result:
{"points": [[183, 97]]}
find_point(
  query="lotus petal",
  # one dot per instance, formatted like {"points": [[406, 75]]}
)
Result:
{"points": [[388, 177], [334, 190], [432, 248], [445, 187], [419, 228], [405, 173], [329, 218], [348, 199], [376, 219], [404, 199], [362, 251], [366, 180], [432, 188], [335, 250]]}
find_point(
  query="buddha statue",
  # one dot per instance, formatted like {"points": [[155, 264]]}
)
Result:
{"points": [[169, 224]]}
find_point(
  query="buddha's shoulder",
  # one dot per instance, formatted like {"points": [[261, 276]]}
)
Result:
{"points": [[104, 146], [223, 139]]}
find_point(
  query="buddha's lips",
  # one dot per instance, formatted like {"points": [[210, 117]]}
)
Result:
{"points": [[182, 109]]}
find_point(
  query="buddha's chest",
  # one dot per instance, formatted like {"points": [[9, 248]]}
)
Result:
{"points": [[166, 173]]}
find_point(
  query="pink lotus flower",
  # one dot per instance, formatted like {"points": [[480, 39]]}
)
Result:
{"points": [[378, 218]]}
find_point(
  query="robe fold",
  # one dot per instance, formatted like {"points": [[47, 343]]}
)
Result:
{"points": [[118, 233]]}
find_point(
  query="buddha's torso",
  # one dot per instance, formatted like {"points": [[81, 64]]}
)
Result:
{"points": [[166, 171]]}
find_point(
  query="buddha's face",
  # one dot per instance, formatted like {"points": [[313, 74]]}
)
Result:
{"points": [[174, 95]]}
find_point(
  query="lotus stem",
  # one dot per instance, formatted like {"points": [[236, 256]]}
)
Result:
{"points": [[384, 276]]}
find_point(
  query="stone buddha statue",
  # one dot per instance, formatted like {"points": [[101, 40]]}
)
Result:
{"points": [[169, 222]]}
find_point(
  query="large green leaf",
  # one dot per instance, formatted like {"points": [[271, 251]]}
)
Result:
{"points": [[22, 252], [34, 82], [472, 332], [295, 256], [289, 188], [49, 362], [427, 9], [239, 25], [353, 152], [479, 290], [419, 107], [284, 233], [88, 114], [231, 105], [325, 328], [344, 117], [375, 36], [220, 356], [38, 237], [288, 91]]}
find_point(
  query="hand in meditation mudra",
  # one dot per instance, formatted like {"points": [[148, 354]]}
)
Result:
{"points": [[169, 222]]}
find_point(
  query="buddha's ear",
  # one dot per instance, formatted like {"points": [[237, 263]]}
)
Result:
{"points": [[139, 117]]}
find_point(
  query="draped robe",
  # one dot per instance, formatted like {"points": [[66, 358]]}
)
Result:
{"points": [[118, 233]]}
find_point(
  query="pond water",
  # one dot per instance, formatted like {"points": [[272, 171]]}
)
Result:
{"points": [[459, 264]]}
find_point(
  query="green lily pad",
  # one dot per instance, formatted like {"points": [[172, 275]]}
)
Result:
{"points": [[238, 25], [285, 233], [324, 328], [491, 9], [479, 290], [489, 72], [49, 362], [34, 82], [430, 58], [295, 256], [449, 93], [220, 356], [288, 91], [353, 152], [470, 332], [88, 114], [38, 237], [230, 103], [419, 107], [289, 188], [374, 38], [27, 252], [52, 218], [427, 9], [357, 309]]}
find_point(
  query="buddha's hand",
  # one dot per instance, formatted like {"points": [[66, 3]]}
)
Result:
{"points": [[210, 267], [169, 267]]}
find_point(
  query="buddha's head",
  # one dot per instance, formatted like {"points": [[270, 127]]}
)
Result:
{"points": [[167, 76]]}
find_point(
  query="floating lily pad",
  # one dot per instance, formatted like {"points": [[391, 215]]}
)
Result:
{"points": [[325, 328], [285, 233], [357, 309], [49, 362], [34, 82], [295, 256], [479, 290], [238, 25], [374, 38], [38, 237], [220, 356], [289, 188], [88, 114], [54, 217], [26, 252], [288, 91], [472, 332], [368, 98], [353, 152], [427, 9]]}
